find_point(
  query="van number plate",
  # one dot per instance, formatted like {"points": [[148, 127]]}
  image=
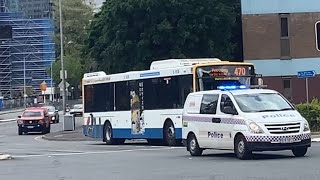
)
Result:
{"points": [[287, 140]]}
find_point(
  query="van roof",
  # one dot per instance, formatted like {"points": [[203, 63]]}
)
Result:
{"points": [[237, 91]]}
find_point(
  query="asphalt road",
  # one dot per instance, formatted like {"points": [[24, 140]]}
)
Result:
{"points": [[38, 159]]}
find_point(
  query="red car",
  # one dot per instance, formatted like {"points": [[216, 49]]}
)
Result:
{"points": [[34, 120]]}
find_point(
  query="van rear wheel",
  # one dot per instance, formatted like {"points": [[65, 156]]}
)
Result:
{"points": [[193, 146]]}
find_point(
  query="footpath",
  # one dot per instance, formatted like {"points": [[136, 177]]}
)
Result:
{"points": [[75, 135], [11, 111]]}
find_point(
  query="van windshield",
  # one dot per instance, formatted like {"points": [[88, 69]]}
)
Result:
{"points": [[262, 102]]}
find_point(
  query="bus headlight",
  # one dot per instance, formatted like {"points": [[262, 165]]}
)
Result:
{"points": [[306, 127], [255, 128]]}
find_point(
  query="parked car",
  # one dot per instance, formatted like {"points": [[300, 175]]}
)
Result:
{"points": [[53, 114], [34, 120], [77, 110]]}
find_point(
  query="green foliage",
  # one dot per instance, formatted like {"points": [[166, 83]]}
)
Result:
{"points": [[76, 20], [311, 112], [130, 34]]}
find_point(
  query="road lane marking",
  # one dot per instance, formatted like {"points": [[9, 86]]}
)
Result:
{"points": [[7, 120], [94, 152], [38, 138]]}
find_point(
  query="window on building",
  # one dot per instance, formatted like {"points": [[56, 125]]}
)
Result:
{"points": [[318, 35], [6, 32], [284, 37], [284, 27], [287, 87]]}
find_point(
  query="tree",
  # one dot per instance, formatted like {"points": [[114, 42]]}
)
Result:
{"points": [[130, 34], [76, 19]]}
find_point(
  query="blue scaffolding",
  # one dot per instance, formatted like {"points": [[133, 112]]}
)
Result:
{"points": [[30, 54]]}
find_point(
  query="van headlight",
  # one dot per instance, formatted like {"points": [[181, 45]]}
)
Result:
{"points": [[255, 128], [306, 126]]}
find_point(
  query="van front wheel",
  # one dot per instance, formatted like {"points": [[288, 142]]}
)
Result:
{"points": [[299, 152], [241, 148]]}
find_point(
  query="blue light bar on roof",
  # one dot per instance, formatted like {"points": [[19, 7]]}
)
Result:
{"points": [[231, 87]]}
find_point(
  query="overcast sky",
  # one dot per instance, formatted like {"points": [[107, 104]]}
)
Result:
{"points": [[99, 2]]}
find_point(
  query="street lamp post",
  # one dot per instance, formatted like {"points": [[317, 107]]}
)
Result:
{"points": [[62, 63], [51, 65], [24, 82], [51, 83]]}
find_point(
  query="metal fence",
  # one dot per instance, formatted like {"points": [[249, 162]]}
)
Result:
{"points": [[19, 103], [16, 103]]}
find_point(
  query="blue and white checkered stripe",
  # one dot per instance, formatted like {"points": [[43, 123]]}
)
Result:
{"points": [[232, 121], [209, 119], [277, 138]]}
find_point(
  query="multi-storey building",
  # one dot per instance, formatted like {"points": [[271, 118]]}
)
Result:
{"points": [[26, 56], [280, 38], [31, 8]]}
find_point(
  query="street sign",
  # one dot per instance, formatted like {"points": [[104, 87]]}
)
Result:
{"points": [[65, 74], [306, 74], [43, 86], [61, 85]]}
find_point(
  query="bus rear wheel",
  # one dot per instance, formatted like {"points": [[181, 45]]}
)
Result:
{"points": [[108, 136], [169, 134]]}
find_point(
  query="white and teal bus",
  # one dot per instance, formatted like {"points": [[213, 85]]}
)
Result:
{"points": [[148, 104]]}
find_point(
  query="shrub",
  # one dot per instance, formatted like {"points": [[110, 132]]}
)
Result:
{"points": [[311, 112]]}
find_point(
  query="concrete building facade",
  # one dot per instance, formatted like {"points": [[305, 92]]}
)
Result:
{"points": [[280, 38]]}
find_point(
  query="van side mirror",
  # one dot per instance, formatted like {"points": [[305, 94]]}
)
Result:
{"points": [[229, 110]]}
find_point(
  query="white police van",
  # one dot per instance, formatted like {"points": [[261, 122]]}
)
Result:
{"points": [[243, 120]]}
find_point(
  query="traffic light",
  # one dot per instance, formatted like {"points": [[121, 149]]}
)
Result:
{"points": [[318, 35], [6, 32]]}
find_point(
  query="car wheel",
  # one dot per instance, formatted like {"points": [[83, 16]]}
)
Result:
{"points": [[241, 148], [20, 132], [299, 152], [193, 146]]}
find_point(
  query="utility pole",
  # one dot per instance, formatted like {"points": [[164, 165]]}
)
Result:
{"points": [[24, 82], [62, 63]]}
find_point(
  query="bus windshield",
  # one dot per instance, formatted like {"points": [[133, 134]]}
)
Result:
{"points": [[210, 77]]}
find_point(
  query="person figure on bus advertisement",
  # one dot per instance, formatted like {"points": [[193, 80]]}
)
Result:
{"points": [[135, 113]]}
